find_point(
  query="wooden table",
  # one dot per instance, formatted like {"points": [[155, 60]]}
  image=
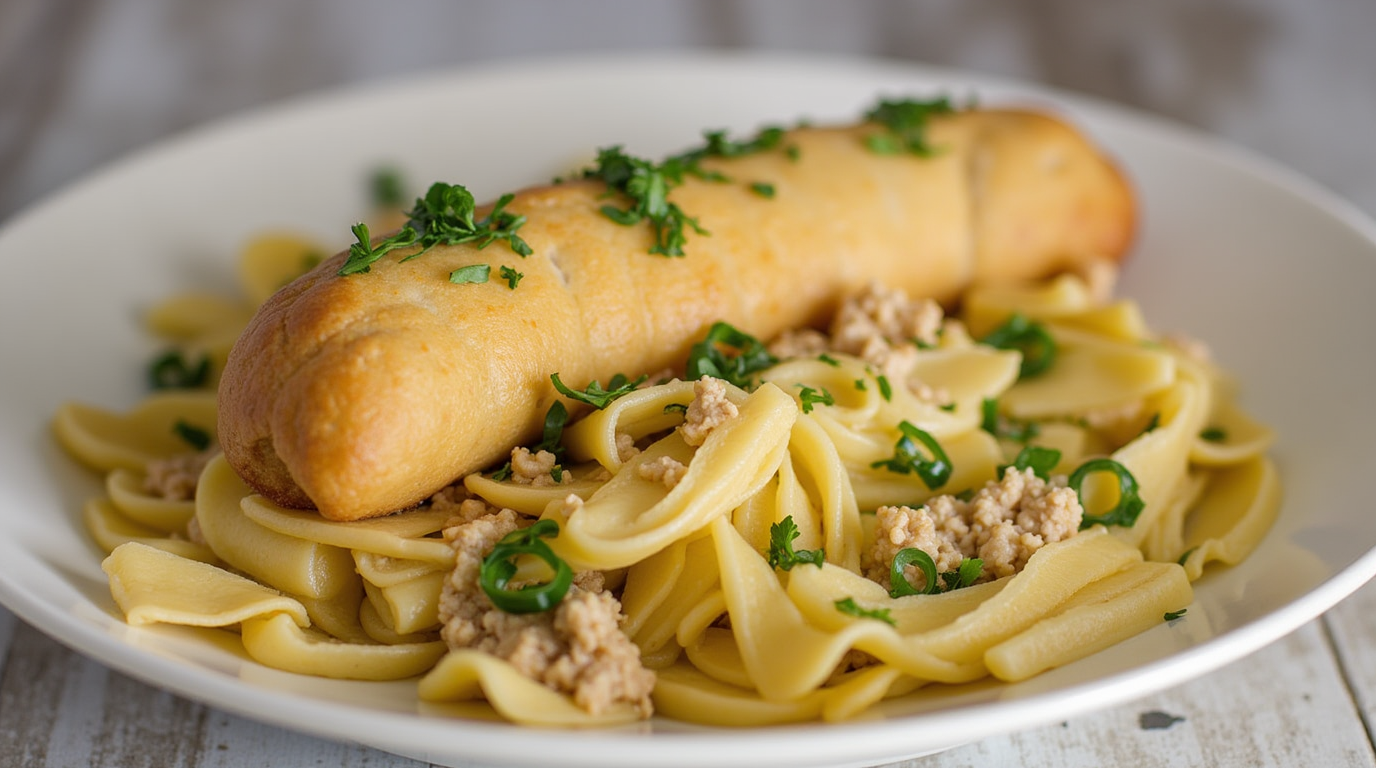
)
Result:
{"points": [[83, 82]]}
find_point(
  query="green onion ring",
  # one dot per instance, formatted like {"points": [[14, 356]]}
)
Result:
{"points": [[1031, 339], [1129, 505], [499, 566], [898, 582]]}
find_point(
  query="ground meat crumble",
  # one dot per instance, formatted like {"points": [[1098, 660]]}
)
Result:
{"points": [[881, 326], [1003, 524], [710, 409], [665, 469], [536, 469], [578, 648], [174, 478]]}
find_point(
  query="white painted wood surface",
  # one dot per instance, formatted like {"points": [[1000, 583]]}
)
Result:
{"points": [[83, 82]]}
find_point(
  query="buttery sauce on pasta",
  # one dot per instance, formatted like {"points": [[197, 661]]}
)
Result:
{"points": [[903, 499]]}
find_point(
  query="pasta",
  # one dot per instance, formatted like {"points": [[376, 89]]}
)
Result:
{"points": [[860, 517]]}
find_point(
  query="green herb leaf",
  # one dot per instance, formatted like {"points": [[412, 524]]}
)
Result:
{"points": [[1185, 557], [171, 371], [781, 554], [829, 360], [500, 566], [967, 573], [445, 216], [1037, 458], [1173, 615], [885, 390], [1213, 435], [1129, 505], [676, 408], [1030, 338], [811, 397], [848, 606], [646, 185], [594, 394], [907, 458], [503, 473], [473, 273], [194, 436], [906, 121], [763, 189], [555, 419], [729, 354], [511, 276], [385, 187]]}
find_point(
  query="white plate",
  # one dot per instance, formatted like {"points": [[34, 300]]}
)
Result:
{"points": [[1272, 272]]}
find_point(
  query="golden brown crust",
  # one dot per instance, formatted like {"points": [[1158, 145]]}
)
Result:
{"points": [[362, 395]]}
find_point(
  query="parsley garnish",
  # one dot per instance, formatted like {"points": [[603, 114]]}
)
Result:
{"points": [[385, 187], [194, 436], [763, 189], [885, 389], [906, 121], [511, 276], [848, 606], [646, 184], [811, 397], [1040, 460], [710, 357], [171, 371], [1213, 435], [1185, 557], [594, 394], [555, 419], [829, 360], [1173, 615], [676, 408], [967, 573], [781, 553], [473, 273], [907, 458], [445, 216]]}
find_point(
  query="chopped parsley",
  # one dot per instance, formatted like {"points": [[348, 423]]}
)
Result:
{"points": [[967, 573], [781, 553], [595, 395], [646, 185], [473, 273], [1213, 435], [1036, 458], [172, 371], [729, 354], [511, 276], [848, 606], [445, 216], [194, 436], [885, 389], [811, 397], [1173, 615], [906, 122], [386, 188], [763, 189]]}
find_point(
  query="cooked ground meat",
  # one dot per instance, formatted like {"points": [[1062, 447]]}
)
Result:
{"points": [[665, 469], [535, 468], [577, 649], [175, 477], [1003, 524], [710, 409]]}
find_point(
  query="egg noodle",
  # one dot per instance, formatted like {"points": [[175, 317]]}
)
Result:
{"points": [[755, 580]]}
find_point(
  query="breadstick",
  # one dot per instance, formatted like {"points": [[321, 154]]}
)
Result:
{"points": [[362, 394]]}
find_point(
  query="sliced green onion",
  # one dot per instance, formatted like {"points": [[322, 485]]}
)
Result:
{"points": [[500, 566], [898, 581], [908, 459], [1031, 339], [1129, 505]]}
